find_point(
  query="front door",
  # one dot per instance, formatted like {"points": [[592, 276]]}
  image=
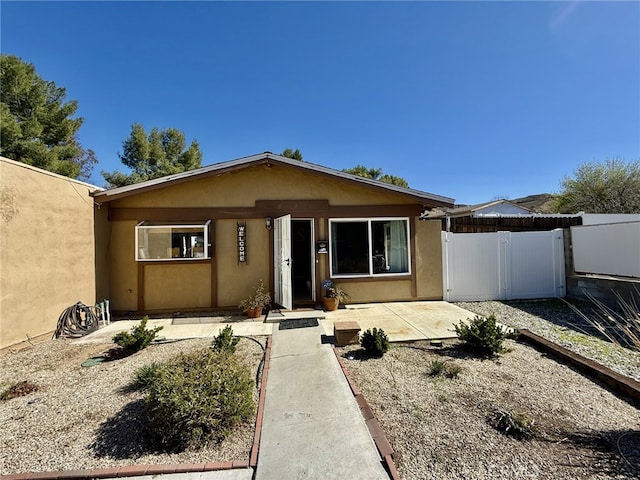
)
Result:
{"points": [[302, 253], [283, 291]]}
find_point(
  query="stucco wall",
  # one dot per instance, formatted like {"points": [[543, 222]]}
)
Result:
{"points": [[177, 286], [47, 260], [244, 187], [237, 280], [234, 281], [429, 259]]}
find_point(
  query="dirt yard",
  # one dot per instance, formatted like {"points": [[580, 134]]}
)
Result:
{"points": [[440, 429], [82, 418]]}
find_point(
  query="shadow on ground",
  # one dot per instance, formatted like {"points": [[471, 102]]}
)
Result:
{"points": [[123, 436], [559, 312], [614, 452]]}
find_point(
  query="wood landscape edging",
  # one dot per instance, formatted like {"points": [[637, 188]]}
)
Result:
{"points": [[625, 386], [375, 430]]}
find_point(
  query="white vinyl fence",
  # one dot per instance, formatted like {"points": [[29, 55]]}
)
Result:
{"points": [[612, 249], [503, 265]]}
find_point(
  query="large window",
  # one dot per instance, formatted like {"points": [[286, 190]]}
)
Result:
{"points": [[172, 241], [364, 247]]}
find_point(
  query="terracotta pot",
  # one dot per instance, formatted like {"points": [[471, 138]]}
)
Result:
{"points": [[254, 312], [330, 304]]}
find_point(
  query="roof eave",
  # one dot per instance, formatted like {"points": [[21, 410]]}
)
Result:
{"points": [[425, 198]]}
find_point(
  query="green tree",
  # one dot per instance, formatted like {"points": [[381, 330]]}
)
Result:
{"points": [[394, 180], [609, 187], [376, 174], [295, 154], [160, 153], [37, 124]]}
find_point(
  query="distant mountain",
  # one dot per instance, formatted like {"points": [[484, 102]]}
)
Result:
{"points": [[540, 203]]}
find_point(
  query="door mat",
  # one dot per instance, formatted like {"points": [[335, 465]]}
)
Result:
{"points": [[298, 323]]}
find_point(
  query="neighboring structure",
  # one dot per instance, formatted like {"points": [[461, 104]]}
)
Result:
{"points": [[499, 215], [202, 239], [46, 249], [494, 208]]}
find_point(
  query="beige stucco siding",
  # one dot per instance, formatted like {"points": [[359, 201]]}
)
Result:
{"points": [[47, 257], [177, 286], [230, 281], [428, 274], [244, 187], [378, 291], [429, 259], [237, 280], [123, 273]]}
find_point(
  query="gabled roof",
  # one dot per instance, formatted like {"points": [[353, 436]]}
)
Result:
{"points": [[468, 210], [266, 158]]}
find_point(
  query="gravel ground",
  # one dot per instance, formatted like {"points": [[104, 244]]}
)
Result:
{"points": [[439, 426], [83, 418], [557, 322]]}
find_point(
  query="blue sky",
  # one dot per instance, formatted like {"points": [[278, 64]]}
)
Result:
{"points": [[470, 100]]}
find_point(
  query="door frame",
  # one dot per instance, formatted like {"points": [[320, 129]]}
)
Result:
{"points": [[312, 258]]}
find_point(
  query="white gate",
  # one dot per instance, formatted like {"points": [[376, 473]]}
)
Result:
{"points": [[503, 265]]}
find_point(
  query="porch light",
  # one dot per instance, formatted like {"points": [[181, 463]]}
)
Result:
{"points": [[267, 223]]}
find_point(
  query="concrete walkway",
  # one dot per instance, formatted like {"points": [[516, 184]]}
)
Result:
{"points": [[312, 427]]}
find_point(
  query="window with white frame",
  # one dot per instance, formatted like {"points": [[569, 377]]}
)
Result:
{"points": [[366, 247], [156, 241]]}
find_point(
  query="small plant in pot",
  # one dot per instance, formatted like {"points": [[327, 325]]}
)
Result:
{"points": [[254, 303], [333, 295]]}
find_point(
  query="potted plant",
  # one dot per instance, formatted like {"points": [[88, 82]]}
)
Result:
{"points": [[333, 295], [254, 303]]}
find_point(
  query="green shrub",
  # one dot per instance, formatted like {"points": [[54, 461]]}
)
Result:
{"points": [[198, 398], [482, 335], [513, 423], [145, 375], [436, 367], [225, 341], [441, 367], [375, 342], [139, 338]]}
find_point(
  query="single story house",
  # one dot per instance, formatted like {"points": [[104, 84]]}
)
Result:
{"points": [[203, 239]]}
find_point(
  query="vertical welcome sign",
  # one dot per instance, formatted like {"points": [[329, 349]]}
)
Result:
{"points": [[242, 242]]}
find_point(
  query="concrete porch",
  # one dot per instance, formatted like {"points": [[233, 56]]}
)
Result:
{"points": [[401, 321]]}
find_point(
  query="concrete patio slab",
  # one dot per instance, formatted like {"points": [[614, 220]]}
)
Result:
{"points": [[182, 330], [431, 328], [402, 321], [396, 328]]}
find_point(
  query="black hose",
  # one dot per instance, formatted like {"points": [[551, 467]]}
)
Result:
{"points": [[76, 321]]}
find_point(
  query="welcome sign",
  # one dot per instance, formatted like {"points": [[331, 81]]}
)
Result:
{"points": [[242, 242]]}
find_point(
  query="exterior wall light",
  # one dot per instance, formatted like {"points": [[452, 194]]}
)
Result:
{"points": [[267, 223]]}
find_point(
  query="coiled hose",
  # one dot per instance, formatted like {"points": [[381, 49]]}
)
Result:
{"points": [[76, 321]]}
